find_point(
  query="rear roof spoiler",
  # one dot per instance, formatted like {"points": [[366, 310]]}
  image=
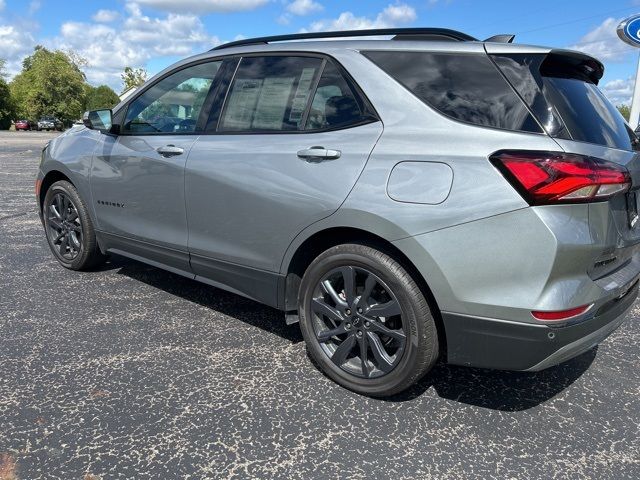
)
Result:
{"points": [[590, 67]]}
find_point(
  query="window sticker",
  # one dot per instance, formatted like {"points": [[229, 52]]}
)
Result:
{"points": [[302, 94], [272, 103], [242, 104]]}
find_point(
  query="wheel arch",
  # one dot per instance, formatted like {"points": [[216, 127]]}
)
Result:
{"points": [[324, 239], [49, 179]]}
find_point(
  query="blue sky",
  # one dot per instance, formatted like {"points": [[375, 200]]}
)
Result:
{"points": [[154, 33]]}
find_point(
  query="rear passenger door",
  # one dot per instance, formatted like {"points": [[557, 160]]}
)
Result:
{"points": [[284, 151]]}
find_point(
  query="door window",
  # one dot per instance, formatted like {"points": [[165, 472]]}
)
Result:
{"points": [[173, 104], [269, 94]]}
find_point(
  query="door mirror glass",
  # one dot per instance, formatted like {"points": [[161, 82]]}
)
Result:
{"points": [[98, 120]]}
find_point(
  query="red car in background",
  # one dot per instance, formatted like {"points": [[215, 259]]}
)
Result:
{"points": [[24, 125]]}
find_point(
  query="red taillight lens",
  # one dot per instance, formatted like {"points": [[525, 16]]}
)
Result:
{"points": [[561, 315], [549, 177]]}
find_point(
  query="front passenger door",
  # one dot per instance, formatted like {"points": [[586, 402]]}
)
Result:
{"points": [[137, 177]]}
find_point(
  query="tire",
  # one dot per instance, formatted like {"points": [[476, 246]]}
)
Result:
{"points": [[384, 372], [66, 219]]}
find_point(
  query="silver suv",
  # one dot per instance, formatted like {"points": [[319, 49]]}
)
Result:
{"points": [[407, 198]]}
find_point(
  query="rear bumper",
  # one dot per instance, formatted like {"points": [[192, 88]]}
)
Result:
{"points": [[505, 345]]}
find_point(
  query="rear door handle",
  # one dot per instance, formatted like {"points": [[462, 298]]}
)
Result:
{"points": [[170, 151], [318, 154]]}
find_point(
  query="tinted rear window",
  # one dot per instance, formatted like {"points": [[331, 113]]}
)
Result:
{"points": [[466, 87], [565, 100]]}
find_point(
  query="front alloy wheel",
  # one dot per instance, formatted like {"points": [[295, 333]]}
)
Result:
{"points": [[68, 227], [64, 226]]}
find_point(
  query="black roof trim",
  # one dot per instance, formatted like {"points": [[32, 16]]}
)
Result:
{"points": [[398, 34]]}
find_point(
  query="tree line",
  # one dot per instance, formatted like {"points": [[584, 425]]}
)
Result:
{"points": [[53, 83]]}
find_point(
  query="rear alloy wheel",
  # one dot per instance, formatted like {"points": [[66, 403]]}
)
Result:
{"points": [[69, 229], [366, 322], [360, 329]]}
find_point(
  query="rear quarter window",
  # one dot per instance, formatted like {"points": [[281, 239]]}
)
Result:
{"points": [[465, 87]]}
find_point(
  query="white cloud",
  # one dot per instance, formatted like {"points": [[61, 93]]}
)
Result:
{"points": [[395, 14], [34, 6], [202, 6], [133, 41], [303, 7], [105, 16], [139, 38], [603, 43], [391, 16], [619, 91], [1, 5], [15, 43]]}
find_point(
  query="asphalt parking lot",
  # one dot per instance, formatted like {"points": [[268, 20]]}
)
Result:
{"points": [[130, 372]]}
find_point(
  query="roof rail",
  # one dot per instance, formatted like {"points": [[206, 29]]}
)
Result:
{"points": [[398, 34]]}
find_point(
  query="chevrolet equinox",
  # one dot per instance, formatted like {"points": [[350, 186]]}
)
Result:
{"points": [[416, 195]]}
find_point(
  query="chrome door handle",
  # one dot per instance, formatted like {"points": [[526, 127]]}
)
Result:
{"points": [[170, 151], [318, 154]]}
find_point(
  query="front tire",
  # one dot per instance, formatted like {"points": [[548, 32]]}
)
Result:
{"points": [[69, 229], [366, 321]]}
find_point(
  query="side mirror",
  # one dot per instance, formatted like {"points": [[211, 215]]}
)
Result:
{"points": [[98, 120]]}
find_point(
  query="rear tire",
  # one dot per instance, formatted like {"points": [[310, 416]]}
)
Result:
{"points": [[357, 302], [69, 229]]}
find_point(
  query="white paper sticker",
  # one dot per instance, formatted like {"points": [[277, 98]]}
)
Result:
{"points": [[272, 103], [242, 104], [302, 94]]}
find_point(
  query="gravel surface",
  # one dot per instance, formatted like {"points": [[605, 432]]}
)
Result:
{"points": [[131, 372]]}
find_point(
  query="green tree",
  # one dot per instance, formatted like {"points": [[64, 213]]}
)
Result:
{"points": [[133, 77], [625, 111], [100, 97], [7, 110], [50, 83]]}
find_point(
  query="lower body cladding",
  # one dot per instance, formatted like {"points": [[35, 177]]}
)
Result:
{"points": [[490, 276]]}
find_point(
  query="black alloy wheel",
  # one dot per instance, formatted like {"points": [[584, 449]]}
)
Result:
{"points": [[367, 323], [358, 322], [64, 228], [69, 229]]}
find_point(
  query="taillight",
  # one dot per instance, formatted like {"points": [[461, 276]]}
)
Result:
{"points": [[551, 177]]}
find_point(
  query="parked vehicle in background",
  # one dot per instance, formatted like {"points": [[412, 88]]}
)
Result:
{"points": [[408, 199], [25, 125], [50, 123]]}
